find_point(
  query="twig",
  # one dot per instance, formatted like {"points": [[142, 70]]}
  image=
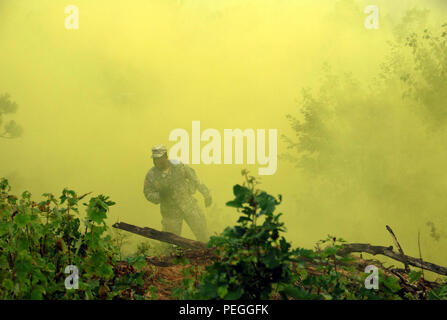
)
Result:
{"points": [[84, 195], [407, 268], [420, 253]]}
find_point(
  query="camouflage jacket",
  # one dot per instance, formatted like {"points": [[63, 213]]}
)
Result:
{"points": [[174, 189]]}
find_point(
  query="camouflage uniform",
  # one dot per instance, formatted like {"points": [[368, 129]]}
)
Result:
{"points": [[173, 190]]}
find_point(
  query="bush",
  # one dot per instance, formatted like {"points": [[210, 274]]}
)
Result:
{"points": [[255, 259], [39, 240], [256, 262]]}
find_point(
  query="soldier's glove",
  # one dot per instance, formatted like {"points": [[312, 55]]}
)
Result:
{"points": [[208, 201]]}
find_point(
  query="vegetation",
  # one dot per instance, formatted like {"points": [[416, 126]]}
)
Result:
{"points": [[39, 240], [251, 260], [256, 262], [10, 129], [255, 259]]}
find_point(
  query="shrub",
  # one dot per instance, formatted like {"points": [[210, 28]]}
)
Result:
{"points": [[255, 259], [39, 240]]}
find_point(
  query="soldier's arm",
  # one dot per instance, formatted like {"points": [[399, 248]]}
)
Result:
{"points": [[192, 176], [150, 192]]}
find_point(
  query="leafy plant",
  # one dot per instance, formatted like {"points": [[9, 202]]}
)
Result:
{"points": [[439, 293], [192, 275], [39, 240], [119, 239], [256, 262], [255, 259], [143, 248]]}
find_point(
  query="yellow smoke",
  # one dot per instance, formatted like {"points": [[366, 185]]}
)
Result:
{"points": [[93, 101]]}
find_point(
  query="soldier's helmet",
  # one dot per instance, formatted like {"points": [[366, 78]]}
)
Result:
{"points": [[159, 151]]}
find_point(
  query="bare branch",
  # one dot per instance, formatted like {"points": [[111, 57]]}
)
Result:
{"points": [[388, 251], [407, 268]]}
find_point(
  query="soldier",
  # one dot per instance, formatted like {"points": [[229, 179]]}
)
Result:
{"points": [[171, 184]]}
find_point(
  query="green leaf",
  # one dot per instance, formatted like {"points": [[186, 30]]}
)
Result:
{"points": [[21, 219], [222, 291], [414, 276], [266, 202], [4, 228], [234, 294], [7, 284], [296, 293], [139, 262], [37, 293], [242, 193], [392, 284]]}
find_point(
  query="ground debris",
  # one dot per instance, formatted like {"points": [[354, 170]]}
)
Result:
{"points": [[165, 273]]}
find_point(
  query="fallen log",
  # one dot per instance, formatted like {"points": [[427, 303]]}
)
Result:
{"points": [[346, 248], [161, 236], [388, 252]]}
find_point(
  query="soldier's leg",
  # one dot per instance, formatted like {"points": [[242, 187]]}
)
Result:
{"points": [[172, 218], [195, 218], [173, 225]]}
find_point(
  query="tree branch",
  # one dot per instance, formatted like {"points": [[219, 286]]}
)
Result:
{"points": [[388, 252]]}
